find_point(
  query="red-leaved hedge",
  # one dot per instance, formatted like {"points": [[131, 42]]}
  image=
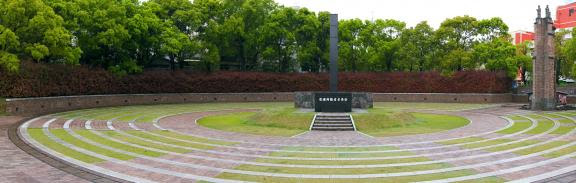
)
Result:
{"points": [[40, 80]]}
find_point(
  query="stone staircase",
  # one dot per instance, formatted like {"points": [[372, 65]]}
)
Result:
{"points": [[333, 122]]}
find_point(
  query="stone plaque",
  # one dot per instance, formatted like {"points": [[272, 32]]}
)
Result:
{"points": [[333, 102]]}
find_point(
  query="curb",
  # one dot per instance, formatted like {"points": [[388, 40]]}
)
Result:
{"points": [[55, 162]]}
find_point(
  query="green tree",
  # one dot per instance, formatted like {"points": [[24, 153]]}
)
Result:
{"points": [[417, 47], [496, 55], [40, 31], [9, 44], [280, 40], [565, 65], [350, 44]]}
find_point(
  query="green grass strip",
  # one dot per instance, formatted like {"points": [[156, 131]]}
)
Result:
{"points": [[461, 140], [516, 127], [75, 114], [561, 152], [38, 135], [540, 148], [518, 118], [563, 130], [543, 126], [111, 116], [560, 119], [341, 162], [132, 140], [485, 180], [415, 178], [486, 143], [340, 171], [191, 138], [167, 140], [90, 135], [90, 114], [513, 145], [340, 155], [62, 134], [535, 116], [340, 149]]}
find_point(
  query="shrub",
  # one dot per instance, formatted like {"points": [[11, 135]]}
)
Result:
{"points": [[40, 80]]}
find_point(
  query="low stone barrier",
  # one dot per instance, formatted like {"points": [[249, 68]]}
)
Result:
{"points": [[443, 97], [44, 105]]}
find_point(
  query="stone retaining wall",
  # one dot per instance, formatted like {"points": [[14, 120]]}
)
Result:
{"points": [[443, 97], [34, 106], [44, 105]]}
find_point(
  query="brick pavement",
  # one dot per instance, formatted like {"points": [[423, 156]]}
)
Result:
{"points": [[19, 162], [19, 166]]}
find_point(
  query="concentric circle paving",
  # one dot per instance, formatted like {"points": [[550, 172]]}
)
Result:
{"points": [[144, 144]]}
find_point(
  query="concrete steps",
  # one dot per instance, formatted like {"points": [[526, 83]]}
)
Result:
{"points": [[333, 122]]}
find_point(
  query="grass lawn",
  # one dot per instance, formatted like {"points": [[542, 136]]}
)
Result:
{"points": [[283, 121], [382, 122]]}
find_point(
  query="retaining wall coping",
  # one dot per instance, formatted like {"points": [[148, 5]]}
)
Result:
{"points": [[127, 95], [494, 94]]}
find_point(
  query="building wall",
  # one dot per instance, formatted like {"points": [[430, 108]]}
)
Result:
{"points": [[566, 16], [520, 37]]}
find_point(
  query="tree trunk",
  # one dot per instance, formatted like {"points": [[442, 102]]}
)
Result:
{"points": [[172, 64]]}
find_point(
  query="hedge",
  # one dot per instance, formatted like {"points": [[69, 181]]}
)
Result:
{"points": [[40, 80]]}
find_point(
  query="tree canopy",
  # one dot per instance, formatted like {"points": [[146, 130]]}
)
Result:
{"points": [[127, 36]]}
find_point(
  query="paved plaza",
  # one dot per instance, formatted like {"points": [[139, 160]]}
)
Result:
{"points": [[500, 144]]}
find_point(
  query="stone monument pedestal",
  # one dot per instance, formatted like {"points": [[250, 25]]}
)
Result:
{"points": [[308, 100]]}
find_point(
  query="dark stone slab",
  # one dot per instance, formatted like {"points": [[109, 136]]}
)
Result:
{"points": [[333, 102], [360, 100]]}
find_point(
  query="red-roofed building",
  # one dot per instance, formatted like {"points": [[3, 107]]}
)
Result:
{"points": [[566, 16], [523, 36]]}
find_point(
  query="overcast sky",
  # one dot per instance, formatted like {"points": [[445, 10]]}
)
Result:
{"points": [[518, 14]]}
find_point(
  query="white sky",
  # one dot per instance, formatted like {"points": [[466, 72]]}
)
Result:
{"points": [[518, 14]]}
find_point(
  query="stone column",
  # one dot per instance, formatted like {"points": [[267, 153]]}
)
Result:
{"points": [[333, 52], [544, 64]]}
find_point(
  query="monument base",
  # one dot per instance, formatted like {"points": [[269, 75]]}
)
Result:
{"points": [[308, 100]]}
